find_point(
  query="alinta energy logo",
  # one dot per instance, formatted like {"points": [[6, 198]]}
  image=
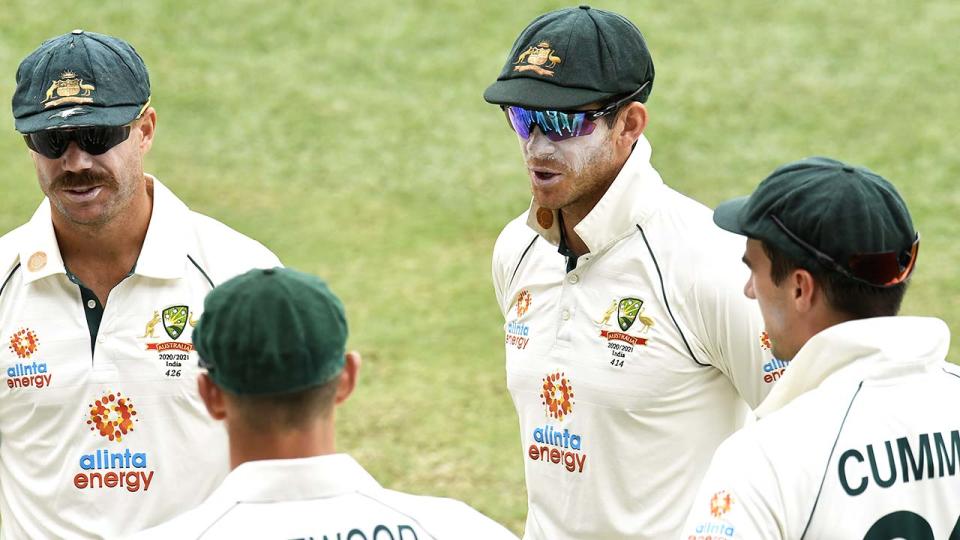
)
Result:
{"points": [[24, 344], [518, 334], [113, 416], [720, 503], [551, 443]]}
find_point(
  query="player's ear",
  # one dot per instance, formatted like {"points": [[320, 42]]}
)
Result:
{"points": [[348, 377], [630, 123], [212, 397], [146, 126], [805, 290]]}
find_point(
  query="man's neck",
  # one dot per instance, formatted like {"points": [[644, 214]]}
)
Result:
{"points": [[571, 215], [102, 256], [248, 444]]}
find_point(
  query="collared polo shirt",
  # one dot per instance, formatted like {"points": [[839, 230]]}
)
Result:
{"points": [[330, 497], [103, 433], [628, 369], [859, 439]]}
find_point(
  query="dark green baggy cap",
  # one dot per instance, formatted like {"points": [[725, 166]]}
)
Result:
{"points": [[847, 213], [272, 331], [80, 79], [573, 57]]}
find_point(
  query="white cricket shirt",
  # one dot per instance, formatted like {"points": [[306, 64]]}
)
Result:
{"points": [[627, 371], [325, 497], [105, 438], [859, 439]]}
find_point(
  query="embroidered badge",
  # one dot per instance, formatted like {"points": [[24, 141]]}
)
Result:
{"points": [[37, 261], [69, 88], [539, 58], [629, 312], [544, 218], [175, 320]]}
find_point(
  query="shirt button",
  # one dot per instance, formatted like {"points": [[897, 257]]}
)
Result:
{"points": [[91, 304], [565, 314], [573, 278]]}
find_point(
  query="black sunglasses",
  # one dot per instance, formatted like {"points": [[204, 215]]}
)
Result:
{"points": [[94, 140], [883, 269]]}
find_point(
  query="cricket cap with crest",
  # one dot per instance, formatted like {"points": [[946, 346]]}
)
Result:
{"points": [[824, 212], [80, 79], [271, 331], [572, 57]]}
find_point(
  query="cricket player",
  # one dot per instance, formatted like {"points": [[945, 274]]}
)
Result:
{"points": [[631, 353], [102, 431], [860, 438], [276, 386]]}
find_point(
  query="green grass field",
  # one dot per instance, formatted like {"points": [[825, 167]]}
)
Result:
{"points": [[351, 138]]}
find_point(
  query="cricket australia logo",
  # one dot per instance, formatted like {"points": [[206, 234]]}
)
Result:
{"points": [[172, 354], [175, 320], [629, 312]]}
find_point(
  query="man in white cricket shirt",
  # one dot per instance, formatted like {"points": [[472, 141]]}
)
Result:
{"points": [[102, 431], [860, 438], [631, 353], [273, 342]]}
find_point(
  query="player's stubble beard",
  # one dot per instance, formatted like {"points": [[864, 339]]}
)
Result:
{"points": [[118, 194], [586, 163]]}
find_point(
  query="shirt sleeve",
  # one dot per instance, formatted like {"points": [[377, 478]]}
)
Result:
{"points": [[739, 498], [500, 271], [733, 332]]}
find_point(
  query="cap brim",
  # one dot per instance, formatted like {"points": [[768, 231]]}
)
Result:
{"points": [[539, 94], [78, 116], [727, 215]]}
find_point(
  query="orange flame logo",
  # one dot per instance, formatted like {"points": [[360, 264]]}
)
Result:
{"points": [[24, 343], [557, 395], [112, 416]]}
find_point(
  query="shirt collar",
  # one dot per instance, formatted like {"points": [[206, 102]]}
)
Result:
{"points": [[630, 199], [162, 256], [888, 346], [164, 252], [295, 479]]}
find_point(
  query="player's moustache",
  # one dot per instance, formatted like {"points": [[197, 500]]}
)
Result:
{"points": [[550, 161], [75, 180]]}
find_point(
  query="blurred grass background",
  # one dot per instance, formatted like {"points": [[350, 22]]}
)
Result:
{"points": [[352, 139]]}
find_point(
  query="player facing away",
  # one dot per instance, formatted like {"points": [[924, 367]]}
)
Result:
{"points": [[275, 385], [860, 438], [102, 431], [630, 351]]}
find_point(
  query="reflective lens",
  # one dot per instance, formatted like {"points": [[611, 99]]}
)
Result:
{"points": [[92, 140], [556, 125]]}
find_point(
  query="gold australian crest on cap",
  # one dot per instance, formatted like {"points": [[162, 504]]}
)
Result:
{"points": [[69, 88], [539, 58]]}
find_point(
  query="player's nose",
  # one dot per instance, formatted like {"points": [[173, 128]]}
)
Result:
{"points": [[75, 160], [538, 143], [748, 289]]}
